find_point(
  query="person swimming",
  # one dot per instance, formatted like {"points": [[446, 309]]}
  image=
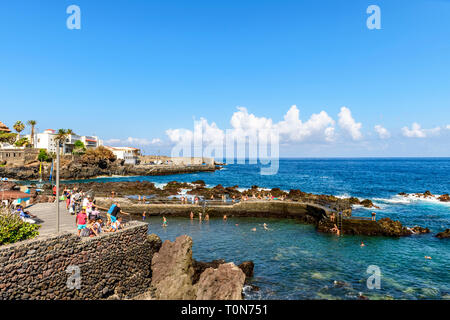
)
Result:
{"points": [[225, 217], [254, 229], [191, 215], [362, 244], [428, 257], [164, 222], [265, 226]]}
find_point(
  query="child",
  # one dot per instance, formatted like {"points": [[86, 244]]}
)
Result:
{"points": [[164, 222], [81, 220], [143, 216]]}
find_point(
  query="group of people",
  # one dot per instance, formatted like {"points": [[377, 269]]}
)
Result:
{"points": [[90, 224], [87, 214]]}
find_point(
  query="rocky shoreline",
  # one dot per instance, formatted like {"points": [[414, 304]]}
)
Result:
{"points": [[80, 171], [319, 210]]}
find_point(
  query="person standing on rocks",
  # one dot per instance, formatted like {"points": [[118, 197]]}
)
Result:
{"points": [[374, 216]]}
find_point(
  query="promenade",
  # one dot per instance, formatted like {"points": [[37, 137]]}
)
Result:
{"points": [[46, 218]]}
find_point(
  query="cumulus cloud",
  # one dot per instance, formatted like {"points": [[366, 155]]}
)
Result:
{"points": [[348, 124], [319, 127], [383, 133], [448, 127], [417, 131]]}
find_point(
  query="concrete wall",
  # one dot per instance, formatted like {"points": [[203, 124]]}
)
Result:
{"points": [[113, 263], [18, 156], [276, 209]]}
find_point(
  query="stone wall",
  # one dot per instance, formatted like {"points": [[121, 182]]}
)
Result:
{"points": [[111, 265]]}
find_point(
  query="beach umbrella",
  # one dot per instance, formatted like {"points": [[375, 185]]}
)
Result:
{"points": [[13, 195]]}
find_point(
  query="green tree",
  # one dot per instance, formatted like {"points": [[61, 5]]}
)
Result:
{"points": [[32, 123], [44, 156], [9, 138], [22, 142], [79, 148], [19, 127]]}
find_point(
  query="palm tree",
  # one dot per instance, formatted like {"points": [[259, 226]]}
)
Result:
{"points": [[61, 137], [18, 126], [32, 123]]}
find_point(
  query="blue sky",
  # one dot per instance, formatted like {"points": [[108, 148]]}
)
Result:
{"points": [[139, 68]]}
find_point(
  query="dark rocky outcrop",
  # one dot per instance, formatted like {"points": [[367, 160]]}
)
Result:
{"points": [[172, 270], [383, 227], [77, 169], [420, 230], [176, 276], [444, 198], [444, 234]]}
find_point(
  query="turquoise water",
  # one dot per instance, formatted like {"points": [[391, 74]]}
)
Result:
{"points": [[293, 261]]}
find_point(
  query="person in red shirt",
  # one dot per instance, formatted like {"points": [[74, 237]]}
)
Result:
{"points": [[81, 220]]}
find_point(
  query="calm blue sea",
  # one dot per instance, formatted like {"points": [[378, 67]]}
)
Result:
{"points": [[293, 261]]}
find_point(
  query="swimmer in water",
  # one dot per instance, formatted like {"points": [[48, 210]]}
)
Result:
{"points": [[362, 244], [192, 215], [265, 226], [428, 257], [164, 222], [225, 217], [254, 229], [207, 217], [143, 216]]}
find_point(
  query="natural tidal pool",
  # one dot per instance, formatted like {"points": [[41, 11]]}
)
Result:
{"points": [[293, 261]]}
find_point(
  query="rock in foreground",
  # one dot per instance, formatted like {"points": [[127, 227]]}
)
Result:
{"points": [[176, 276], [172, 270], [224, 283]]}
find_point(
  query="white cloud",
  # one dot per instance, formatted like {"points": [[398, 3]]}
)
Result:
{"points": [[134, 141], [319, 127], [348, 124], [416, 131], [383, 133], [447, 127]]}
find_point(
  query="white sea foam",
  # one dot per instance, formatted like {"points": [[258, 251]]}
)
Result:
{"points": [[411, 199]]}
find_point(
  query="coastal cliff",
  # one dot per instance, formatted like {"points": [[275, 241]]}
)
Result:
{"points": [[76, 170]]}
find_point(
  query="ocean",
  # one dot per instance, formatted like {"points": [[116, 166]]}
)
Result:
{"points": [[293, 261]]}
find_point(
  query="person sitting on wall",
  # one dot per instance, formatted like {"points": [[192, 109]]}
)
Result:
{"points": [[115, 226]]}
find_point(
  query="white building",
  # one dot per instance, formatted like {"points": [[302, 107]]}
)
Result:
{"points": [[130, 155], [46, 140]]}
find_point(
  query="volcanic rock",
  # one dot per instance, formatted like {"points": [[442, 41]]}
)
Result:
{"points": [[444, 234], [172, 270], [224, 283]]}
